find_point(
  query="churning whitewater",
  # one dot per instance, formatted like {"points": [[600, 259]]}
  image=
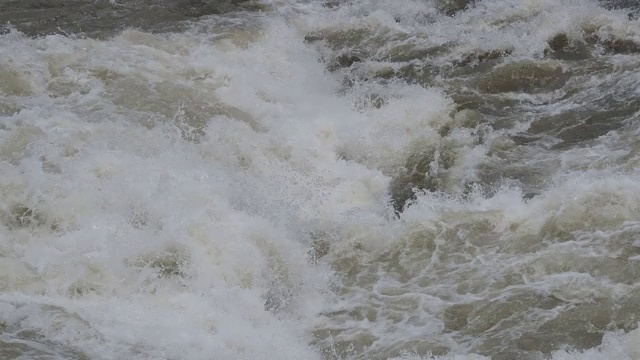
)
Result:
{"points": [[329, 180]]}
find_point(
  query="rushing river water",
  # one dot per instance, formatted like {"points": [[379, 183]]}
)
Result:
{"points": [[328, 180]]}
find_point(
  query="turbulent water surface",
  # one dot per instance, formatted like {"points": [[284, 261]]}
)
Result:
{"points": [[365, 179]]}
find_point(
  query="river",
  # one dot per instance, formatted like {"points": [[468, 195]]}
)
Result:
{"points": [[327, 180]]}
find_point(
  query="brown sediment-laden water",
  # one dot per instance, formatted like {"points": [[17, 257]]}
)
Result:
{"points": [[329, 180]]}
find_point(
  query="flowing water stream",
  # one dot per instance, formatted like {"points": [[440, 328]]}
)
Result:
{"points": [[328, 180]]}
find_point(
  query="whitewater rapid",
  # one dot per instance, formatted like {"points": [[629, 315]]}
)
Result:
{"points": [[310, 180]]}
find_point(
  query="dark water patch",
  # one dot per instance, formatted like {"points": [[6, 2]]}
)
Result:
{"points": [[620, 46], [621, 243], [499, 109], [344, 60], [428, 167], [627, 311], [524, 138], [612, 45], [456, 317], [597, 267], [579, 328], [409, 52], [331, 4], [101, 19], [482, 57], [467, 118], [501, 314], [364, 41], [350, 38], [509, 162], [562, 47], [418, 174], [452, 7], [632, 6], [473, 65], [578, 126], [315, 36], [423, 74], [524, 76], [580, 133]]}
